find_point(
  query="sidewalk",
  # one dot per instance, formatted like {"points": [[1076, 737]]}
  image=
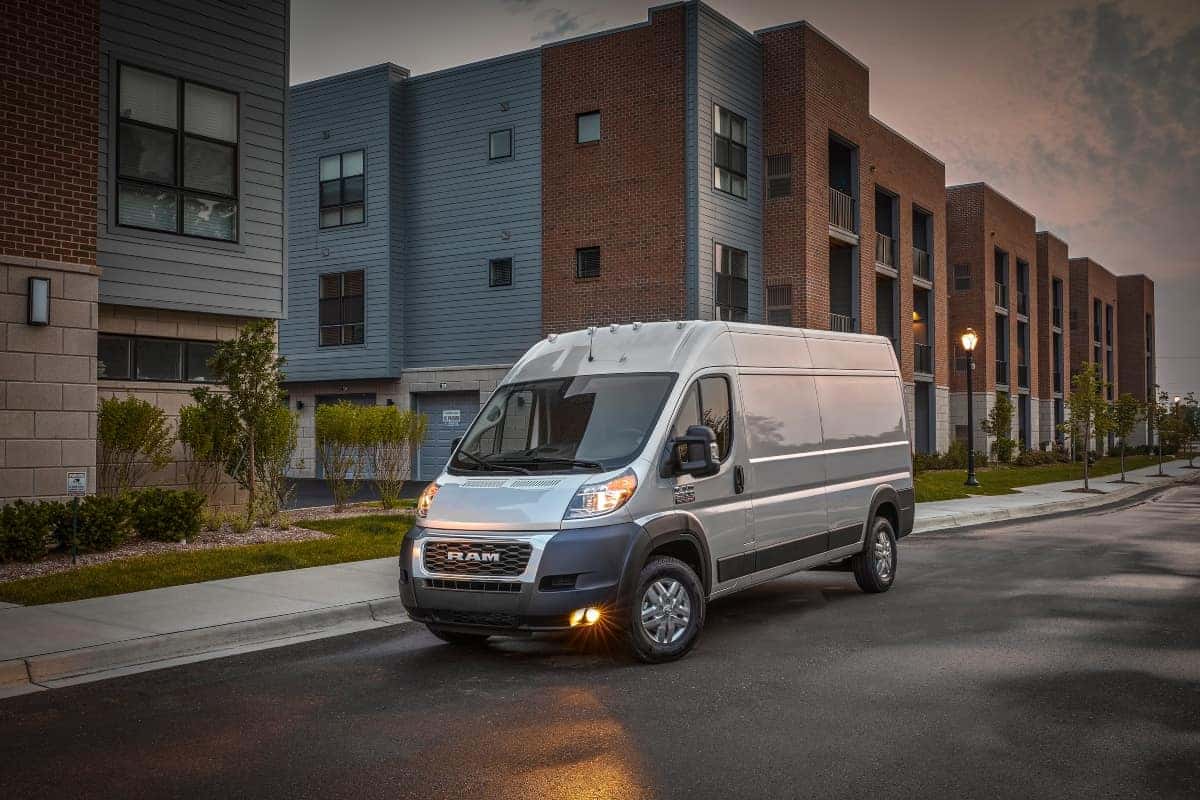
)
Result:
{"points": [[61, 644]]}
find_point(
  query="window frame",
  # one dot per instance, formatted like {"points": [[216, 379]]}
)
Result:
{"points": [[600, 131], [966, 273], [719, 249], [179, 188], [342, 297], [717, 110], [579, 251], [132, 341], [697, 384], [512, 145], [341, 180], [492, 264]]}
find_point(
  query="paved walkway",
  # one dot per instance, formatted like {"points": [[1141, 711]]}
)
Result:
{"points": [[63, 643]]}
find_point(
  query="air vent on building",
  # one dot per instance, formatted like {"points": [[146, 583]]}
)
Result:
{"points": [[779, 175], [587, 262], [779, 304]]}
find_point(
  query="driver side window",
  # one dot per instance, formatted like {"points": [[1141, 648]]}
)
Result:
{"points": [[708, 403]]}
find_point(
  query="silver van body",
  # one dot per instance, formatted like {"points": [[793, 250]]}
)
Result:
{"points": [[811, 446]]}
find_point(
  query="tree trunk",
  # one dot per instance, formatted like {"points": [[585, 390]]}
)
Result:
{"points": [[1122, 459], [1087, 435], [250, 484]]}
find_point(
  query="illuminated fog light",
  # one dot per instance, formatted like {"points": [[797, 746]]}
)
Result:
{"points": [[585, 616]]}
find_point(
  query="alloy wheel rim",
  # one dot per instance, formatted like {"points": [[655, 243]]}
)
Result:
{"points": [[883, 555], [666, 611]]}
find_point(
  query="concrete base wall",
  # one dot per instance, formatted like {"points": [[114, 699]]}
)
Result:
{"points": [[482, 379], [984, 402], [943, 429], [47, 379]]}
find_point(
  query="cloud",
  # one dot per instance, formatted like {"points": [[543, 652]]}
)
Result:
{"points": [[558, 24], [517, 6]]}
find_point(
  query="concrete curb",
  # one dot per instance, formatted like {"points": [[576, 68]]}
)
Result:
{"points": [[1049, 510], [18, 676]]}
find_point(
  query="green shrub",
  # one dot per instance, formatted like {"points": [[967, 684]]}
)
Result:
{"points": [[342, 439], [166, 515], [240, 524], [24, 531], [391, 437], [212, 520], [954, 458], [104, 523], [1033, 458], [132, 439]]}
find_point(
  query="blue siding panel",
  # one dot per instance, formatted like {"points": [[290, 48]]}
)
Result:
{"points": [[243, 49], [460, 210], [729, 74]]}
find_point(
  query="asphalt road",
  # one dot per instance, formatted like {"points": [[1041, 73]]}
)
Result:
{"points": [[1053, 659]]}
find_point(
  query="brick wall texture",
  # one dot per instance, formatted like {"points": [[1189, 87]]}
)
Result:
{"points": [[1052, 263], [1089, 282], [1135, 302], [625, 193], [49, 128]]}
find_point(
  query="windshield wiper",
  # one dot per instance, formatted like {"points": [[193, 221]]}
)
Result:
{"points": [[493, 464], [570, 462]]}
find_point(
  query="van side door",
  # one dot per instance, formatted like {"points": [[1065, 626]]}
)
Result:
{"points": [[787, 468], [716, 501]]}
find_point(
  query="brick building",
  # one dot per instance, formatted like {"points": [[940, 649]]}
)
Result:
{"points": [[991, 247], [1135, 342], [1093, 323], [143, 173], [1053, 350], [682, 167]]}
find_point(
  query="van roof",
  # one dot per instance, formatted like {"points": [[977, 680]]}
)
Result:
{"points": [[686, 346]]}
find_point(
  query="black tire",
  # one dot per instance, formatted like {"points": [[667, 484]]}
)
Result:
{"points": [[869, 573], [458, 637], [641, 645]]}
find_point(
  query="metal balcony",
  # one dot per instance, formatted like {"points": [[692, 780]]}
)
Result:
{"points": [[1056, 317], [1001, 295], [1023, 376], [841, 210], [1022, 303], [921, 265], [841, 322], [922, 358], [885, 250], [1001, 372]]}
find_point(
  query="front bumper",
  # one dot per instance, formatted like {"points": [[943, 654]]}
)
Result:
{"points": [[599, 560]]}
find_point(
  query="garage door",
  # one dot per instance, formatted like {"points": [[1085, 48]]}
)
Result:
{"points": [[449, 415], [353, 399]]}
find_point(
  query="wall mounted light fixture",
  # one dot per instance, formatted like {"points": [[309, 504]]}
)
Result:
{"points": [[39, 301]]}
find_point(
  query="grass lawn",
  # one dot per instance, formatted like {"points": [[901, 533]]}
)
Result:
{"points": [[354, 539], [947, 484]]}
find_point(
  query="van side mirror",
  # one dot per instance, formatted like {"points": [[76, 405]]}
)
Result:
{"points": [[455, 442], [695, 453]]}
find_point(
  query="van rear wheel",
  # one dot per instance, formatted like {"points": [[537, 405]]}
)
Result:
{"points": [[667, 612], [875, 567]]}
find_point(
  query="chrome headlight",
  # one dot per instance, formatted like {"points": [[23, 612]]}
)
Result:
{"points": [[426, 500], [604, 497]]}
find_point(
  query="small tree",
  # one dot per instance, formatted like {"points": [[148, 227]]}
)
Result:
{"points": [[1124, 416], [998, 423], [275, 445], [132, 438], [1191, 426], [251, 372], [209, 440], [396, 435], [342, 447], [1088, 412]]}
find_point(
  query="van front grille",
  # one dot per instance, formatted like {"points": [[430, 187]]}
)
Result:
{"points": [[477, 559], [510, 587]]}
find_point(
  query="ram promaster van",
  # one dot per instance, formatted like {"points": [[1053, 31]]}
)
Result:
{"points": [[620, 478]]}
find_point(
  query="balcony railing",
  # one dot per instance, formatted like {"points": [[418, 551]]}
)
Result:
{"points": [[1056, 317], [1023, 376], [1058, 381], [1001, 295], [921, 267], [885, 250], [1002, 372], [922, 358], [841, 210], [841, 322], [1023, 303]]}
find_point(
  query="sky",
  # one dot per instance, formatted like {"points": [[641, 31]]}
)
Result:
{"points": [[1085, 114]]}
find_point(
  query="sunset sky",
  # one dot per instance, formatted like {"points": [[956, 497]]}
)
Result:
{"points": [[1085, 114]]}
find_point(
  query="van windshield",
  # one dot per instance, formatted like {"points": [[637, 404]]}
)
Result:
{"points": [[589, 422]]}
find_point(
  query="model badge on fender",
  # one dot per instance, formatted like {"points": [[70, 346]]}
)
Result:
{"points": [[685, 493]]}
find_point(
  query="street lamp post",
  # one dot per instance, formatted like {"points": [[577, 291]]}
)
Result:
{"points": [[969, 340]]}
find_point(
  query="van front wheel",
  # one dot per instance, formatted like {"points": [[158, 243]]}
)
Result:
{"points": [[667, 611], [875, 567]]}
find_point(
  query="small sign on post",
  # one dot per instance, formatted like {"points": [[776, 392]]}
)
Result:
{"points": [[76, 488]]}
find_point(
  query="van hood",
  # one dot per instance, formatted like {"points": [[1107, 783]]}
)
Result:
{"points": [[505, 502]]}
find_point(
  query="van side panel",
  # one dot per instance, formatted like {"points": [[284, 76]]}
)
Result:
{"points": [[862, 419], [786, 479]]}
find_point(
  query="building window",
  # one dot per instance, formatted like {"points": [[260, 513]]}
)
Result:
{"points": [[587, 262], [341, 308], [342, 189], [733, 285], [500, 272], [962, 277], [729, 152], [779, 305], [177, 156], [779, 176], [140, 358], [587, 127], [500, 144]]}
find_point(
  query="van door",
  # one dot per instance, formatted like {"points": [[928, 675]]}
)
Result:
{"points": [[787, 467], [717, 501]]}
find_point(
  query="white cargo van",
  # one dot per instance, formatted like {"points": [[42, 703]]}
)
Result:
{"points": [[622, 477]]}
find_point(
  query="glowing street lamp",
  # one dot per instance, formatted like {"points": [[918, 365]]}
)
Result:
{"points": [[970, 339]]}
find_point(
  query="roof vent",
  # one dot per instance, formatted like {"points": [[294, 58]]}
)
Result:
{"points": [[613, 328], [679, 325], [552, 337], [637, 326]]}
